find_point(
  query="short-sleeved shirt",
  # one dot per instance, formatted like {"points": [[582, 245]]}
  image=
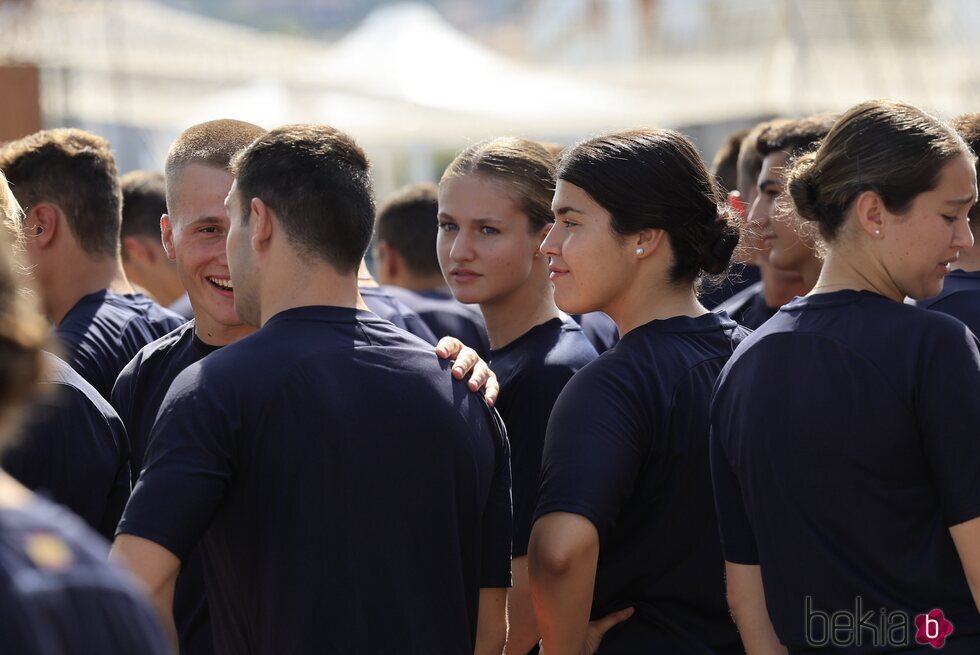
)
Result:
{"points": [[627, 448], [532, 370], [59, 595], [845, 443], [446, 316], [599, 329], [348, 494], [104, 330], [748, 307], [396, 312], [138, 394], [960, 298], [73, 449]]}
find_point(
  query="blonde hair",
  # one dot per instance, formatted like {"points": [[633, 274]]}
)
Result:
{"points": [[23, 331]]}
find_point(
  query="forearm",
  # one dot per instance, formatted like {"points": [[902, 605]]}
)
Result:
{"points": [[747, 600], [156, 569], [522, 627]]}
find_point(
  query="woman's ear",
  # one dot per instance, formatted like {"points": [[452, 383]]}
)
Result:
{"points": [[869, 209], [647, 241]]}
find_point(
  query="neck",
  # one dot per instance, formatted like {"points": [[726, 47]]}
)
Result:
{"points": [[414, 282], [530, 305], [647, 302], [364, 277], [78, 277], [214, 334], [304, 284], [779, 287], [844, 271]]}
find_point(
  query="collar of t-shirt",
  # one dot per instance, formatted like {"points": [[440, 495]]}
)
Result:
{"points": [[324, 314], [551, 324]]}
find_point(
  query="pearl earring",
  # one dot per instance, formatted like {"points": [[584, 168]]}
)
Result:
{"points": [[877, 232], [639, 251]]}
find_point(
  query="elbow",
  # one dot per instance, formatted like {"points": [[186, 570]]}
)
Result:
{"points": [[554, 553]]}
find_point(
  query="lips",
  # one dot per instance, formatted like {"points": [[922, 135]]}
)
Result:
{"points": [[464, 275], [221, 284], [556, 272]]}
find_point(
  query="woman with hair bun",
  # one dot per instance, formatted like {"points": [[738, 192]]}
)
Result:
{"points": [[57, 593], [847, 493], [625, 531]]}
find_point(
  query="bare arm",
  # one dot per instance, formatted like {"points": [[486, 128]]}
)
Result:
{"points": [[522, 627], [156, 567], [748, 603], [966, 536], [491, 626], [468, 361], [562, 559]]}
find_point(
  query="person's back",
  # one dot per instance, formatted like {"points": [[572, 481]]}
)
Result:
{"points": [[73, 448], [58, 594], [104, 330], [627, 446], [335, 509], [865, 497]]}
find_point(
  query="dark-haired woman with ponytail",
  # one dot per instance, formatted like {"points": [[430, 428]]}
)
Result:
{"points": [[625, 532], [848, 493]]}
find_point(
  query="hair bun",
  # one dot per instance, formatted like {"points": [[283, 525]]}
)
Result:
{"points": [[802, 190], [722, 239]]}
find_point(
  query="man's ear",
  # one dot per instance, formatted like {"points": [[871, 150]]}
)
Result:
{"points": [[261, 225], [41, 224], [167, 236]]}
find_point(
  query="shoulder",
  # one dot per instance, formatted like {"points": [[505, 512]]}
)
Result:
{"points": [[156, 353]]}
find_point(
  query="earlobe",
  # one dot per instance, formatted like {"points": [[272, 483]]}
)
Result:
{"points": [[167, 237], [868, 208], [646, 242]]}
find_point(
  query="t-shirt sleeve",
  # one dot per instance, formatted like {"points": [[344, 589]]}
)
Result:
{"points": [[737, 538], [497, 521], [188, 466], [948, 410], [593, 449]]}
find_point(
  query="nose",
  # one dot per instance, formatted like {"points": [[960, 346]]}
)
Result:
{"points": [[461, 249], [758, 215], [551, 246], [963, 235]]}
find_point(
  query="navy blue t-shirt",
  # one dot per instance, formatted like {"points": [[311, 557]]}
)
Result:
{"points": [[138, 394], [599, 329], [748, 307], [73, 449], [59, 595], [397, 313], [960, 297], [348, 494], [627, 448], [845, 443], [104, 330], [446, 316], [740, 277], [532, 370]]}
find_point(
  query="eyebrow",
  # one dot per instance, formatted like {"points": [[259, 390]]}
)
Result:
{"points": [[961, 201], [561, 211], [485, 219], [764, 183], [205, 219]]}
